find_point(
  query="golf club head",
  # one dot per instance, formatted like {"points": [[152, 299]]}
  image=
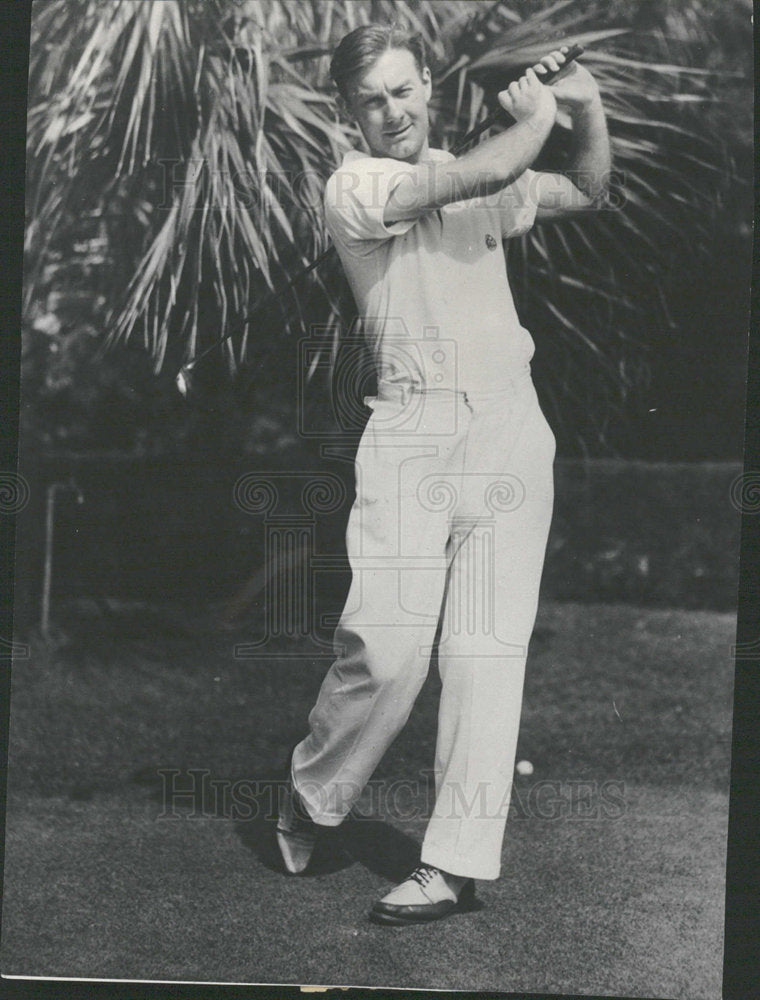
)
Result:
{"points": [[197, 386], [185, 381]]}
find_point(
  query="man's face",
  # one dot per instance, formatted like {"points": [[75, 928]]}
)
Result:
{"points": [[389, 104]]}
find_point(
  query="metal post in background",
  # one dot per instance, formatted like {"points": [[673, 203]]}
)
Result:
{"points": [[52, 490]]}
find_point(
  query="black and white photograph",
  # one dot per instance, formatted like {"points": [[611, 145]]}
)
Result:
{"points": [[379, 494]]}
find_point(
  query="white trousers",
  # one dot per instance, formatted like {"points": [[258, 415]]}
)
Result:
{"points": [[454, 497]]}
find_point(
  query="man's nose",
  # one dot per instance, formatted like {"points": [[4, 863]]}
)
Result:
{"points": [[393, 110]]}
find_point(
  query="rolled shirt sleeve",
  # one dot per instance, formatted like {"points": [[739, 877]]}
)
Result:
{"points": [[358, 191], [355, 199]]}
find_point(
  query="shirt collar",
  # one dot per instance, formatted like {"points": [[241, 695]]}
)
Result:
{"points": [[436, 156]]}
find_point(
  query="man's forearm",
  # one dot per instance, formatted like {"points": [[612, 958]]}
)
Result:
{"points": [[487, 168], [590, 160], [499, 161]]}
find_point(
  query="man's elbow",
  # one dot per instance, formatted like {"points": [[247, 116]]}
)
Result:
{"points": [[602, 194], [600, 200], [593, 189]]}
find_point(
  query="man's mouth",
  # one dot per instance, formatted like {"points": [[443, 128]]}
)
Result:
{"points": [[399, 133]]}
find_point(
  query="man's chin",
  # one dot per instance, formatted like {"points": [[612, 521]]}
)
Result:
{"points": [[405, 149]]}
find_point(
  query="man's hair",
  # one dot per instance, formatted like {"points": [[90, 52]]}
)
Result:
{"points": [[363, 46]]}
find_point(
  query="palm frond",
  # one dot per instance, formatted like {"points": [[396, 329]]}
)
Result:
{"points": [[199, 135]]}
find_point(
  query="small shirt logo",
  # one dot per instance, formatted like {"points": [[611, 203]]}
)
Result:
{"points": [[490, 242]]}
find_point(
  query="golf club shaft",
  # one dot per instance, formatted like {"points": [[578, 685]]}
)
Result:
{"points": [[497, 117], [267, 300]]}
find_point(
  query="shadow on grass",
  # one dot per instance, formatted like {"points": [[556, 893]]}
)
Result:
{"points": [[253, 805], [366, 840], [380, 847], [373, 843]]}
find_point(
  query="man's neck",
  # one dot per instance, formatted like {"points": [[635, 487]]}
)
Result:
{"points": [[421, 157]]}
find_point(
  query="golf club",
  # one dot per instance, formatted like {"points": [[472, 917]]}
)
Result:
{"points": [[184, 378]]}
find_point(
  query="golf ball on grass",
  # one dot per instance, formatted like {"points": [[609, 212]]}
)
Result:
{"points": [[524, 767]]}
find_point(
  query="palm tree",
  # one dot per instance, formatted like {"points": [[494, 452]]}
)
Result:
{"points": [[182, 146]]}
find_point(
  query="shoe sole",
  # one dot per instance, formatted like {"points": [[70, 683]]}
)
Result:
{"points": [[288, 840], [393, 920], [287, 858], [467, 901]]}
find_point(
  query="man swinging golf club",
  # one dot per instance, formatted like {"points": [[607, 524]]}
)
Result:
{"points": [[454, 486]]}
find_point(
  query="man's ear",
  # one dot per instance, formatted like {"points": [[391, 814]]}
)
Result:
{"points": [[344, 109], [427, 79]]}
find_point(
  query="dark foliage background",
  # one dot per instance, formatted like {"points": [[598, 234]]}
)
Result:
{"points": [[640, 315], [176, 154]]}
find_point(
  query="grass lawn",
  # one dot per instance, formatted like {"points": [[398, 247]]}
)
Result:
{"points": [[613, 863]]}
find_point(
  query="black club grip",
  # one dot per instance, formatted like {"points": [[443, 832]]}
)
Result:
{"points": [[502, 116]]}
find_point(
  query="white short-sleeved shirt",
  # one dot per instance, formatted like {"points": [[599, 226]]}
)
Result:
{"points": [[433, 293]]}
